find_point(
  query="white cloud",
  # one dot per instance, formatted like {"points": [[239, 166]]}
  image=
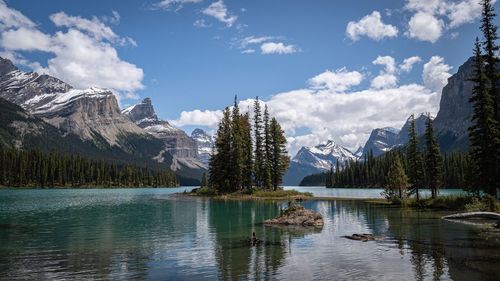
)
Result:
{"points": [[219, 11], [425, 27], [435, 74], [427, 6], [83, 55], [408, 63], [371, 26], [197, 117], [337, 81], [174, 4], [251, 40], [326, 112], [278, 48], [388, 62], [384, 81], [10, 18], [248, 51], [463, 12]]}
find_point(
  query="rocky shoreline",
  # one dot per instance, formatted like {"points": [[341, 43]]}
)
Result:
{"points": [[297, 215]]}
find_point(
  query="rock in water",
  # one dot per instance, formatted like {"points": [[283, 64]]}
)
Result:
{"points": [[297, 216]]}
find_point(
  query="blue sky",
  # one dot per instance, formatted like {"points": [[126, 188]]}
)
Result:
{"points": [[190, 56]]}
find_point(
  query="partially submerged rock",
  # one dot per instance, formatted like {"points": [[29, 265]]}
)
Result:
{"points": [[297, 215], [361, 237]]}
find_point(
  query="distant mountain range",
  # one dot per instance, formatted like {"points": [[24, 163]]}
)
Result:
{"points": [[51, 114], [450, 124], [317, 159]]}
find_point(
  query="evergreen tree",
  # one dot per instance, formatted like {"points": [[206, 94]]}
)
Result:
{"points": [[491, 48], [483, 134], [278, 155], [415, 163], [236, 159], [246, 129], [433, 161], [204, 181], [259, 149], [397, 181], [220, 168], [268, 149]]}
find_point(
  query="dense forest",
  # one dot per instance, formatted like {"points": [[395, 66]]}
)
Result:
{"points": [[246, 156], [38, 169]]}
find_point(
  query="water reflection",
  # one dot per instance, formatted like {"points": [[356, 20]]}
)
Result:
{"points": [[154, 236]]}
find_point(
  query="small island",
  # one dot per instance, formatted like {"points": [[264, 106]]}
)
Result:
{"points": [[297, 215]]}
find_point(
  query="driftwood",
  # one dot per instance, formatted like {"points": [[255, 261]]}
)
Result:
{"points": [[360, 237], [474, 215]]}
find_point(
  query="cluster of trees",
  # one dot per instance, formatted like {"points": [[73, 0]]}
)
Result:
{"points": [[38, 169], [484, 134], [403, 172], [247, 156]]}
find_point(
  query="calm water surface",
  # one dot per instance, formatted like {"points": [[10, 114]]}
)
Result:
{"points": [[150, 234]]}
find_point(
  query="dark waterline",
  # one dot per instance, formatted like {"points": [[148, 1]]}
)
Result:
{"points": [[149, 234]]}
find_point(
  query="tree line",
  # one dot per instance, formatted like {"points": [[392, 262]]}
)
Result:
{"points": [[245, 155], [404, 172], [38, 169], [404, 169]]}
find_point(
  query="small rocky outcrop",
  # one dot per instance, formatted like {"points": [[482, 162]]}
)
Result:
{"points": [[297, 215]]}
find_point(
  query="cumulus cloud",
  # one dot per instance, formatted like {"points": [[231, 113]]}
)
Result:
{"points": [[82, 55], [384, 80], [207, 118], [330, 109], [433, 17], [425, 27], [370, 26], [219, 11], [201, 23], [277, 48], [388, 62], [408, 63], [339, 80], [435, 74]]}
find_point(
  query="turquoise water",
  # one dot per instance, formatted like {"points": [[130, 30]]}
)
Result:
{"points": [[150, 234], [321, 191]]}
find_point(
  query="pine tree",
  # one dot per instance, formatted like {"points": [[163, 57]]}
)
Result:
{"points": [[246, 129], [482, 133], [236, 159], [278, 154], [491, 48], [415, 163], [204, 181], [268, 148], [433, 161], [220, 168], [396, 180], [259, 149]]}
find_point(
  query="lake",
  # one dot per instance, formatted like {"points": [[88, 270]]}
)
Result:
{"points": [[151, 234]]}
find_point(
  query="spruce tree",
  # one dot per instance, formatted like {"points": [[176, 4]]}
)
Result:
{"points": [[433, 159], [278, 154], [220, 168], [236, 159], [397, 181], [259, 149], [268, 148], [246, 129], [482, 133], [415, 162], [491, 48]]}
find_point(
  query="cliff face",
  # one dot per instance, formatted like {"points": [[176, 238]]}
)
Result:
{"points": [[92, 114], [205, 143], [453, 119], [177, 142]]}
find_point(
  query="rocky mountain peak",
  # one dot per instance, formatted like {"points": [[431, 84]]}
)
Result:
{"points": [[205, 143], [6, 66], [143, 114]]}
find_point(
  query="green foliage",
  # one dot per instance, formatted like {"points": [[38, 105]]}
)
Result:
{"points": [[206, 191], [38, 169], [433, 160], [414, 159], [236, 163], [397, 181], [279, 193]]}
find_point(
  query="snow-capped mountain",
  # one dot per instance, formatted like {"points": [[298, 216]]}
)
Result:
{"points": [[320, 158], [178, 144], [92, 114], [385, 139], [205, 143]]}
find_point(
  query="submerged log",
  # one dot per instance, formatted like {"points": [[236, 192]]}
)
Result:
{"points": [[361, 237], [473, 215]]}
